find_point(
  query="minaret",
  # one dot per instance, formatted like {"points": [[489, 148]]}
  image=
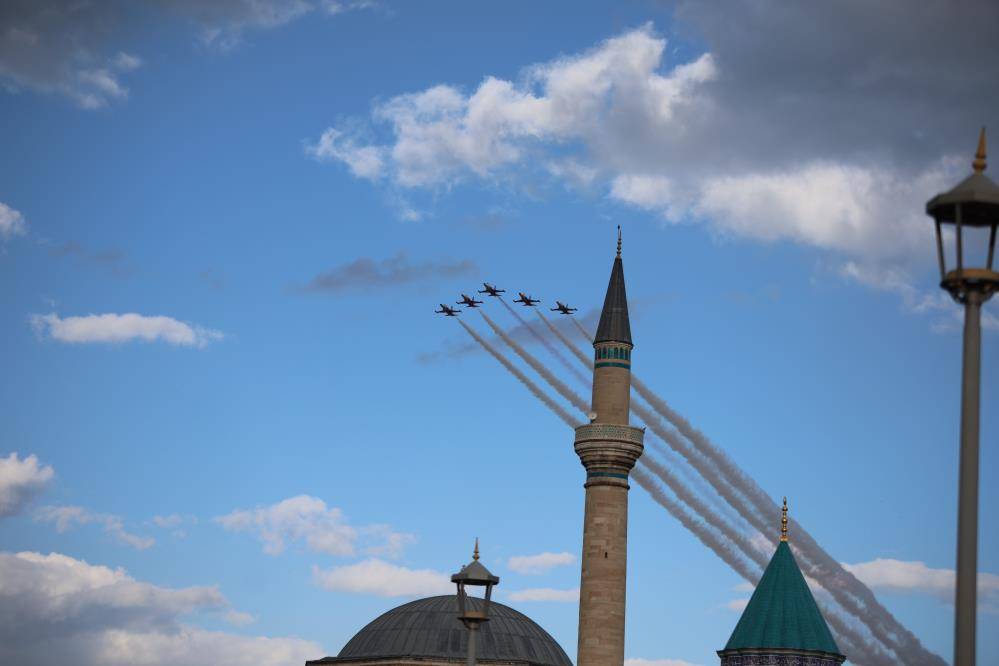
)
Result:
{"points": [[608, 448]]}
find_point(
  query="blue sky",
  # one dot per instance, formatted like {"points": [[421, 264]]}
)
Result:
{"points": [[223, 232]]}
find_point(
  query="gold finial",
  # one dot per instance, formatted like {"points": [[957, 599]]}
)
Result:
{"points": [[619, 240], [783, 522], [475, 553], [979, 164]]}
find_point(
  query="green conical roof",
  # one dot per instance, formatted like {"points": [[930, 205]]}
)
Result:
{"points": [[782, 612]]}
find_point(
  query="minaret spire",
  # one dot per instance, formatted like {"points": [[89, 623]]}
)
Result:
{"points": [[783, 522], [615, 325], [979, 164]]}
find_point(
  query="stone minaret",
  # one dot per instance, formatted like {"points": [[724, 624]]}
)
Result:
{"points": [[608, 448]]}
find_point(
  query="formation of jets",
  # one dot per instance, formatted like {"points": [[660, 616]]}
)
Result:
{"points": [[492, 290]]}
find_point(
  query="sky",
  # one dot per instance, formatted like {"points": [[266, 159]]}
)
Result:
{"points": [[233, 429]]}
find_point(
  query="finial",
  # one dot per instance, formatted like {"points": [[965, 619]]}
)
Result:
{"points": [[979, 164], [475, 553], [619, 239], [783, 522]]}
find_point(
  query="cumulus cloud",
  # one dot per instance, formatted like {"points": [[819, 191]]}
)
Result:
{"points": [[323, 529], [540, 563], [367, 273], [383, 579], [68, 517], [21, 480], [363, 161], [832, 138], [913, 576], [11, 223], [546, 594], [54, 608], [119, 328]]}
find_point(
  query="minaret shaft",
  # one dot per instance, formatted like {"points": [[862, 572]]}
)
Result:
{"points": [[608, 448]]}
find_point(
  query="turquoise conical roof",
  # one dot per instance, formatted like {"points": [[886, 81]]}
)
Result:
{"points": [[782, 612]]}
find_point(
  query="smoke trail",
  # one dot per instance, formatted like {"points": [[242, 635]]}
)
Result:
{"points": [[706, 536], [703, 532], [674, 483], [740, 490], [556, 383], [531, 386], [844, 586], [583, 358], [544, 341], [687, 497], [861, 651], [582, 331]]}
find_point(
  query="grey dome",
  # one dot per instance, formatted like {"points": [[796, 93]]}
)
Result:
{"points": [[430, 628]]}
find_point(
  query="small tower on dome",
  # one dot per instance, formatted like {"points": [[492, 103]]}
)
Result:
{"points": [[782, 624]]}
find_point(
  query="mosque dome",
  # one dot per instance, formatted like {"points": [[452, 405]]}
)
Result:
{"points": [[428, 630]]}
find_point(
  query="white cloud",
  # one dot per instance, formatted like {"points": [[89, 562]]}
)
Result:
{"points": [[21, 480], [363, 161], [913, 576], [758, 138], [379, 578], [323, 529], [947, 315], [67, 517], [440, 136], [861, 211], [657, 662], [54, 608], [119, 328], [11, 223], [540, 563], [175, 523], [545, 594]]}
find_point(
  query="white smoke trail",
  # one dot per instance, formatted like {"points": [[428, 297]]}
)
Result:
{"points": [[863, 652], [531, 386], [552, 349], [549, 377], [744, 495]]}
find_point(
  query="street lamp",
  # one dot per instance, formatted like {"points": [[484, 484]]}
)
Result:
{"points": [[473, 613], [971, 211]]}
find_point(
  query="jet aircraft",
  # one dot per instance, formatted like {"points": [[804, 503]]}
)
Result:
{"points": [[562, 308], [526, 300], [469, 301], [448, 312], [491, 290]]}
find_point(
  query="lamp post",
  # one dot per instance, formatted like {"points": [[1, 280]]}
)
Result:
{"points": [[968, 212], [474, 574]]}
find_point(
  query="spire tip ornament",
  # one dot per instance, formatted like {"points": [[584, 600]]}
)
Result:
{"points": [[783, 522], [619, 240], [979, 164], [475, 553]]}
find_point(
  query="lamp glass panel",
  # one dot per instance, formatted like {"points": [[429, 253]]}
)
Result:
{"points": [[976, 246]]}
